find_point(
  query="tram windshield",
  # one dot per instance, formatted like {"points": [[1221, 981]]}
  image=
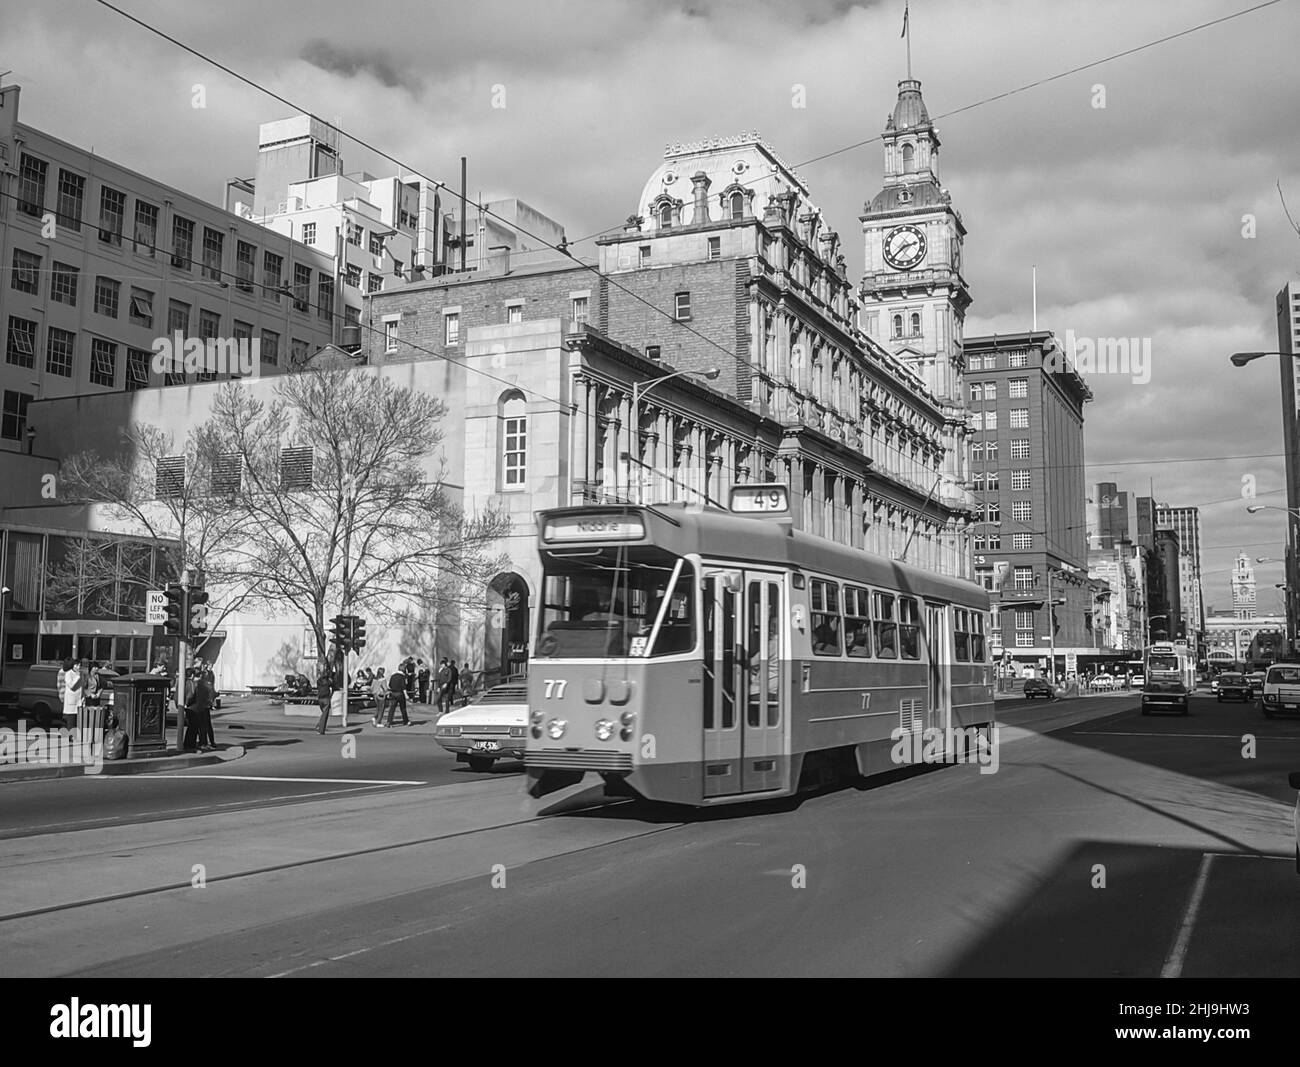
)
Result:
{"points": [[1164, 663], [617, 602]]}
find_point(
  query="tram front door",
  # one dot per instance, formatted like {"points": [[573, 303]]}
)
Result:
{"points": [[746, 683]]}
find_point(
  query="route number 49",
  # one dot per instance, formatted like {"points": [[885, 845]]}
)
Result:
{"points": [[555, 688]]}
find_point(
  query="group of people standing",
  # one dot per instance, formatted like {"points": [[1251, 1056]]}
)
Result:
{"points": [[81, 684], [200, 696], [410, 680]]}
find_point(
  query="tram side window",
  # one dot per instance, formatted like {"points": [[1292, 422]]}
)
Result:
{"points": [[909, 628], [857, 621], [977, 636], [825, 598], [961, 634], [886, 625]]}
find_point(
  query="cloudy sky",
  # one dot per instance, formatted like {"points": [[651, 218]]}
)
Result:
{"points": [[1133, 213]]}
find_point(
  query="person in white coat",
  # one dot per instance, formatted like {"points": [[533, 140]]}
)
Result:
{"points": [[74, 692]]}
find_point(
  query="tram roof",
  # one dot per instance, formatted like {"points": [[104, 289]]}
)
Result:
{"points": [[719, 534]]}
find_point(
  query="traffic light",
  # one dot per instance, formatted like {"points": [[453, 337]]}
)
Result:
{"points": [[175, 624], [339, 632], [358, 638], [198, 612]]}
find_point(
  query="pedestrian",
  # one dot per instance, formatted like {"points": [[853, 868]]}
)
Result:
{"points": [[440, 686], [466, 682], [324, 695], [453, 683], [408, 669], [422, 680], [379, 690], [74, 691], [398, 683], [197, 708]]}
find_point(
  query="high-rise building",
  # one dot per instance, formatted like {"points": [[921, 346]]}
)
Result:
{"points": [[1186, 522], [1288, 343], [1107, 516]]}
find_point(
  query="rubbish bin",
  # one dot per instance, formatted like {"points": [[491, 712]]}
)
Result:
{"points": [[140, 704], [90, 724]]}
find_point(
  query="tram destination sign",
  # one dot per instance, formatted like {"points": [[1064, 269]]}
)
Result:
{"points": [[594, 528], [764, 499]]}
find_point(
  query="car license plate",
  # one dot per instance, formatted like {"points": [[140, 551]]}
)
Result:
{"points": [[485, 746], [1289, 707]]}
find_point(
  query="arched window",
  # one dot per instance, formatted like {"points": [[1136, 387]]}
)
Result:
{"points": [[916, 324], [514, 441], [737, 205], [665, 215], [898, 325], [909, 159]]}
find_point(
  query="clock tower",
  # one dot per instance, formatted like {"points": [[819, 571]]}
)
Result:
{"points": [[913, 296]]}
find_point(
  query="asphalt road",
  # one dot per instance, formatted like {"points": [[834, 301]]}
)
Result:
{"points": [[1117, 845]]}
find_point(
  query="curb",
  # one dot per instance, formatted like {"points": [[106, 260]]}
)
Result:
{"points": [[127, 766]]}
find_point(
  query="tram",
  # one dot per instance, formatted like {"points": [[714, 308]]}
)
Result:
{"points": [[708, 656]]}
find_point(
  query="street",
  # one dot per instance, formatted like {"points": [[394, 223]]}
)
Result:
{"points": [[1108, 844]]}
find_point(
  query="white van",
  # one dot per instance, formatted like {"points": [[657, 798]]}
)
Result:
{"points": [[1281, 689]]}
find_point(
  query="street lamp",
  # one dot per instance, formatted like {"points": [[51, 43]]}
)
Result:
{"points": [[639, 389], [1240, 359]]}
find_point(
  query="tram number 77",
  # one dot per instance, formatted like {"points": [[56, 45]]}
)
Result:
{"points": [[555, 688]]}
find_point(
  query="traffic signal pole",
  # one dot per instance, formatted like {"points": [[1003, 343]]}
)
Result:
{"points": [[181, 657]]}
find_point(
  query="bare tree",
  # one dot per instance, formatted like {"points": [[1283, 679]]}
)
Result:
{"points": [[336, 502]]}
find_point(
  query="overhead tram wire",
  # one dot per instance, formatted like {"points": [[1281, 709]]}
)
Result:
{"points": [[564, 251]]}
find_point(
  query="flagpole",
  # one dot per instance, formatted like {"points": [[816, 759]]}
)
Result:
{"points": [[907, 32]]}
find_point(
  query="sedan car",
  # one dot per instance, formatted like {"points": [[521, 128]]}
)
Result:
{"points": [[1233, 687], [493, 727], [1103, 681], [1256, 680], [1037, 687], [1281, 690]]}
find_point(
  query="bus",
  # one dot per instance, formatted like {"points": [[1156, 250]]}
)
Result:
{"points": [[1169, 679], [707, 655]]}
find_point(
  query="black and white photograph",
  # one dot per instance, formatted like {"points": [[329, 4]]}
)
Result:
{"points": [[601, 489]]}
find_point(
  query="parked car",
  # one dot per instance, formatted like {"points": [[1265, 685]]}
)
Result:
{"points": [[38, 698], [1256, 680], [493, 727], [1281, 690], [1103, 681], [1038, 687], [1232, 687]]}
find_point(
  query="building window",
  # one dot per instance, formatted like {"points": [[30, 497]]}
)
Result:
{"points": [[212, 253], [990, 391], [107, 293], [665, 216], [909, 158], [977, 452], [975, 420], [146, 229], [352, 276], [1020, 448], [103, 362], [20, 345], [898, 326], [974, 363], [1020, 481], [1020, 418], [137, 368], [245, 258], [990, 420], [169, 477], [178, 318], [991, 479], [737, 205], [356, 235], [351, 315], [390, 336], [715, 248], [579, 313], [916, 324], [993, 511], [976, 393], [60, 348], [26, 273], [1024, 629], [682, 307], [112, 215], [72, 198], [325, 297], [301, 288], [514, 313], [295, 468], [13, 421], [991, 451], [270, 348], [995, 541], [652, 351], [1018, 388], [397, 268], [979, 542], [182, 243], [209, 324], [63, 284], [299, 352], [515, 442], [1023, 577], [309, 233], [1022, 510], [376, 244], [1018, 359], [1022, 542], [272, 280], [451, 328], [32, 173], [141, 313], [643, 258]]}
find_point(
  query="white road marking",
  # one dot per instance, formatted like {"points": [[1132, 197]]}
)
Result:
{"points": [[251, 778], [1214, 737], [1173, 967], [361, 951]]}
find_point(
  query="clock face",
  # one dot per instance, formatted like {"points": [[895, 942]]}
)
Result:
{"points": [[904, 247]]}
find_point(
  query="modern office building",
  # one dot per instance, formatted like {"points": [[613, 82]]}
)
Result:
{"points": [[1288, 343], [1108, 515]]}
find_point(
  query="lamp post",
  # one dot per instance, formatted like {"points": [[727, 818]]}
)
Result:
{"points": [[5, 593], [639, 389]]}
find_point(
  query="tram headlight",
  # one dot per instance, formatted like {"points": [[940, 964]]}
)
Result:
{"points": [[536, 718], [555, 728], [604, 729], [627, 718]]}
